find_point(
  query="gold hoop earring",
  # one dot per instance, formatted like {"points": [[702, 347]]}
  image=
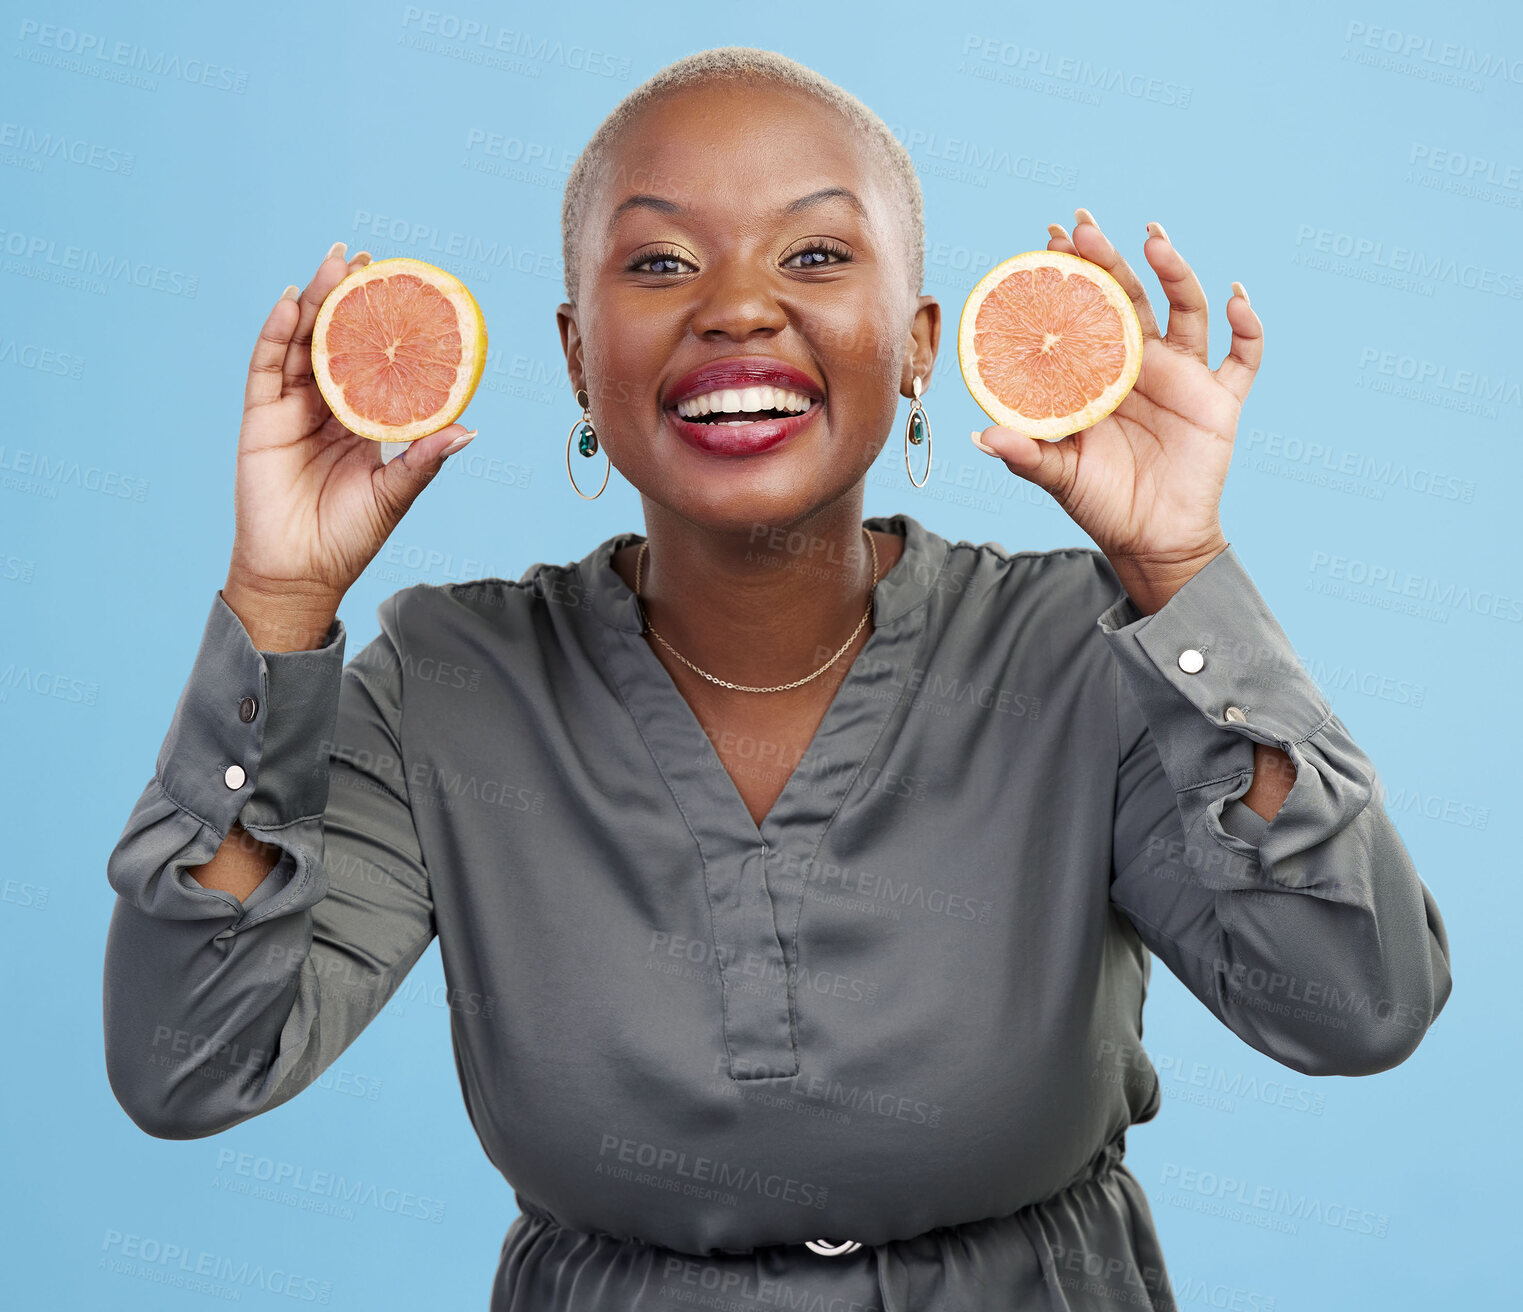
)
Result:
{"points": [[917, 429], [587, 443]]}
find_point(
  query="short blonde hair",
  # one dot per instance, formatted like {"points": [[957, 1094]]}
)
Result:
{"points": [[741, 64]]}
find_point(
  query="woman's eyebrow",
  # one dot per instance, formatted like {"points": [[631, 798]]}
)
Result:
{"points": [[824, 194], [643, 200]]}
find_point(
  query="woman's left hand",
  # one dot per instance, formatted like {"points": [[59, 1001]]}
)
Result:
{"points": [[1146, 481]]}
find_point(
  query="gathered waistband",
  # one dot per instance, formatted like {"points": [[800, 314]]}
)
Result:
{"points": [[1088, 1246], [1107, 1159]]}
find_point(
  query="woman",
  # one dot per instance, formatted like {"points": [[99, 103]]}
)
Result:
{"points": [[789, 962]]}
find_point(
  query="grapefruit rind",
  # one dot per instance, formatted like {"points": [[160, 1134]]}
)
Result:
{"points": [[473, 338], [1050, 428]]}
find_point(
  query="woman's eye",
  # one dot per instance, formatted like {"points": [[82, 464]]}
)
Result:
{"points": [[653, 263], [819, 256]]}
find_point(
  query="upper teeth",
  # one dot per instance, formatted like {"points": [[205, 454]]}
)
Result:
{"points": [[732, 401]]}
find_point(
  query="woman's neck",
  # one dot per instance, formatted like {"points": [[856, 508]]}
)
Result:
{"points": [[757, 606]]}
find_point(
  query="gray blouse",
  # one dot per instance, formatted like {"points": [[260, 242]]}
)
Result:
{"points": [[904, 1013]]}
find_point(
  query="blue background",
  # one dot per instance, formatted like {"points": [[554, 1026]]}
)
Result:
{"points": [[1334, 159]]}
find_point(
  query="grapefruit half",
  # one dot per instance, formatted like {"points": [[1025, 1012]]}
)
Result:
{"points": [[1048, 343], [397, 349]]}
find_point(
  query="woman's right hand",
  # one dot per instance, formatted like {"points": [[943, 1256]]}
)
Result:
{"points": [[313, 501]]}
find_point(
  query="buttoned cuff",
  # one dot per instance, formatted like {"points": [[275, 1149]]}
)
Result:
{"points": [[250, 736], [1213, 671]]}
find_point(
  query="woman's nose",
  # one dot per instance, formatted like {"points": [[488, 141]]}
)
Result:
{"points": [[738, 302]]}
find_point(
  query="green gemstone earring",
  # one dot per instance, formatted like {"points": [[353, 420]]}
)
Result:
{"points": [[916, 431], [587, 443]]}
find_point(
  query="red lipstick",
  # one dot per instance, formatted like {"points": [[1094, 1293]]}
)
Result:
{"points": [[739, 372]]}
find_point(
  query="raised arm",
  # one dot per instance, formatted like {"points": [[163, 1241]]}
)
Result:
{"points": [[270, 891], [218, 1007], [1310, 935]]}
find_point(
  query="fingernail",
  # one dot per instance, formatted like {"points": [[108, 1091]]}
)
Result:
{"points": [[362, 255], [1057, 230], [1238, 288], [1084, 216], [978, 441], [458, 443], [291, 293], [1156, 230], [336, 249]]}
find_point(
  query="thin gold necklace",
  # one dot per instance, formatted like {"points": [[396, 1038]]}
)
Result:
{"points": [[782, 687]]}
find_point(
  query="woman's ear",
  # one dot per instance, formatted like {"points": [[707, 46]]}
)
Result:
{"points": [[921, 346], [571, 344]]}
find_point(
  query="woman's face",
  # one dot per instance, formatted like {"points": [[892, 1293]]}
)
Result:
{"points": [[710, 248]]}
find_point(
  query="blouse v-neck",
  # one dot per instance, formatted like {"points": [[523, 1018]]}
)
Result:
{"points": [[750, 871], [684, 753]]}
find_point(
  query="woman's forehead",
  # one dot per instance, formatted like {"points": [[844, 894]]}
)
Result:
{"points": [[698, 144]]}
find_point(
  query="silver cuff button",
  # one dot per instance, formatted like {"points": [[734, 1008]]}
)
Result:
{"points": [[1235, 713], [234, 777], [1191, 661], [832, 1247]]}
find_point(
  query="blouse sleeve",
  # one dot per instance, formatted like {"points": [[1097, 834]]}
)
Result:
{"points": [[216, 1010], [1310, 935]]}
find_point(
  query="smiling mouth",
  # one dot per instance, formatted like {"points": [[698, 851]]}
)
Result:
{"points": [[734, 407], [744, 417], [743, 421]]}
